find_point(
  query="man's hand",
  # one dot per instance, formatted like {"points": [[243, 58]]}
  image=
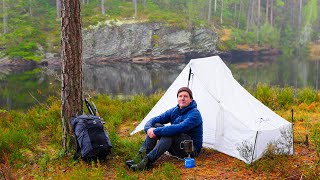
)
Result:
{"points": [[150, 133]]}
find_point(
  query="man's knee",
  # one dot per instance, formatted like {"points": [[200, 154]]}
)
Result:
{"points": [[166, 139]]}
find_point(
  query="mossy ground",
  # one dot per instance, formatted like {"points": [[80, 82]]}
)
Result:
{"points": [[30, 145]]}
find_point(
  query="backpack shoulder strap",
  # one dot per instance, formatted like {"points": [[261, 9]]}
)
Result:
{"points": [[74, 122]]}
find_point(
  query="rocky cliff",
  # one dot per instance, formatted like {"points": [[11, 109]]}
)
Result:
{"points": [[137, 42], [145, 42]]}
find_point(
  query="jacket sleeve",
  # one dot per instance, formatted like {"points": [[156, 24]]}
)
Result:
{"points": [[192, 120], [162, 119]]}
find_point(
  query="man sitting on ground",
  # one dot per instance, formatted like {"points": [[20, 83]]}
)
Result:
{"points": [[186, 124]]}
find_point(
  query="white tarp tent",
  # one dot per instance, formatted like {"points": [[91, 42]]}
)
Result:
{"points": [[234, 122]]}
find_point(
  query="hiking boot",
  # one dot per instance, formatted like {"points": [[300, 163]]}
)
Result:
{"points": [[142, 165], [139, 156], [129, 163]]}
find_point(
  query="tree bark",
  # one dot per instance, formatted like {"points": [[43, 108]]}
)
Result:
{"points": [[258, 20], [58, 8], [215, 5], [30, 9], [72, 77], [235, 14], [252, 13], [239, 14], [5, 18], [300, 15], [249, 16], [103, 10], [221, 14], [135, 8], [267, 10], [271, 13], [209, 11]]}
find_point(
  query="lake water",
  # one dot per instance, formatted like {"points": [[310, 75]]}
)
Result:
{"points": [[24, 88]]}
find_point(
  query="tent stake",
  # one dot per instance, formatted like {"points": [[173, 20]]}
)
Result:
{"points": [[292, 120], [254, 147]]}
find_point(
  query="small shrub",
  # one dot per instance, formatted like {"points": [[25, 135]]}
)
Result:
{"points": [[272, 162], [315, 137], [303, 106], [313, 106], [307, 95], [269, 35], [265, 94], [12, 140], [285, 97]]}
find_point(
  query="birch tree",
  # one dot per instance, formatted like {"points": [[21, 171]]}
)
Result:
{"points": [[258, 20], [134, 4], [239, 14], [58, 8], [221, 13], [5, 17], [103, 10], [271, 13], [267, 11], [30, 8], [209, 11], [300, 14], [215, 5]]}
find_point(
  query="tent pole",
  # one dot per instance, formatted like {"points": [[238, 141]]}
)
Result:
{"points": [[254, 147], [292, 120], [189, 76]]}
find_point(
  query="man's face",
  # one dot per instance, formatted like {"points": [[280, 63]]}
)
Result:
{"points": [[184, 99]]}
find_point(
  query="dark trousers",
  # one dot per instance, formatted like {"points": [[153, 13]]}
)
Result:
{"points": [[155, 147]]}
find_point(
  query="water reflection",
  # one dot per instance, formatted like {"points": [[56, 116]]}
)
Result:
{"points": [[20, 90], [295, 72], [130, 78]]}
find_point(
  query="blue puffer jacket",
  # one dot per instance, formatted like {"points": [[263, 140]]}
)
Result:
{"points": [[187, 120]]}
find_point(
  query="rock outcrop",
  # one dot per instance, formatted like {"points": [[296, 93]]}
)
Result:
{"points": [[145, 42], [136, 42]]}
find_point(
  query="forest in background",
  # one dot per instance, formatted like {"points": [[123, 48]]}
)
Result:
{"points": [[30, 28]]}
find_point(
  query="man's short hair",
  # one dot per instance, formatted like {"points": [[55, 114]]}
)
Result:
{"points": [[187, 90]]}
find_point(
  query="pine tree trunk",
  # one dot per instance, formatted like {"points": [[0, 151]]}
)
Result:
{"points": [[72, 77]]}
